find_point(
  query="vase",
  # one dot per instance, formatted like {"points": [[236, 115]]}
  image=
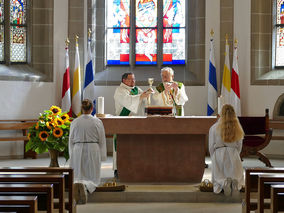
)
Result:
{"points": [[53, 154]]}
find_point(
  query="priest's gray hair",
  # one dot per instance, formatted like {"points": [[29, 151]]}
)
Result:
{"points": [[168, 69]]}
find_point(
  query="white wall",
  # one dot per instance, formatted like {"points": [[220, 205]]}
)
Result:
{"points": [[24, 100], [27, 99]]}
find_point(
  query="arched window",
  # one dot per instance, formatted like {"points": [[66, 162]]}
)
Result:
{"points": [[13, 31], [279, 45], [145, 32]]}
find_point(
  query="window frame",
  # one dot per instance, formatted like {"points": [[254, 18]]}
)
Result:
{"points": [[132, 35], [7, 34]]}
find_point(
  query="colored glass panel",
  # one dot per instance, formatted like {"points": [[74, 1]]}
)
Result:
{"points": [[146, 46], [18, 11], [174, 46], [118, 24], [18, 46], [117, 46], [280, 12], [280, 47], [174, 13], [1, 11], [118, 13], [146, 13], [1, 43]]}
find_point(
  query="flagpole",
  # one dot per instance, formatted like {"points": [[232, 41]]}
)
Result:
{"points": [[212, 80], [66, 93], [89, 84]]}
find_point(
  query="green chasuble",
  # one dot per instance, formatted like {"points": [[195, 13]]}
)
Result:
{"points": [[125, 111]]}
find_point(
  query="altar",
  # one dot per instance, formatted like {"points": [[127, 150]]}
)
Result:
{"points": [[160, 148]]}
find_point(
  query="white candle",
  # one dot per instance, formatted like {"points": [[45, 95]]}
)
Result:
{"points": [[101, 105], [219, 105]]}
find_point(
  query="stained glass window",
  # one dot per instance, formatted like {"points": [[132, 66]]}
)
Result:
{"points": [[118, 26], [279, 59], [18, 44], [18, 32], [146, 32], [174, 32], [1, 30], [145, 39]]}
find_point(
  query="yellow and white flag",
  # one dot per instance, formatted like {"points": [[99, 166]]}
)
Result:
{"points": [[76, 90], [226, 82]]}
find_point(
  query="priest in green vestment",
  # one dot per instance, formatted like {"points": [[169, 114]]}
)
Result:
{"points": [[169, 92], [129, 100]]}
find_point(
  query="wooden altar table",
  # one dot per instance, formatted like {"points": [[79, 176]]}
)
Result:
{"points": [[160, 149]]}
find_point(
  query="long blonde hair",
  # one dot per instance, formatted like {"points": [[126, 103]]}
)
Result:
{"points": [[229, 125]]}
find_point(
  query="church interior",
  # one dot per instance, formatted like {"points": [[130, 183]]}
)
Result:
{"points": [[142, 37]]}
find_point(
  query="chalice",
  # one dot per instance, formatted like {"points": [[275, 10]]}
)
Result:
{"points": [[150, 81]]}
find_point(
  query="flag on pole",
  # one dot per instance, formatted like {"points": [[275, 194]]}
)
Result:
{"points": [[235, 86], [212, 81], [76, 91], [226, 83], [89, 86], [66, 93]]}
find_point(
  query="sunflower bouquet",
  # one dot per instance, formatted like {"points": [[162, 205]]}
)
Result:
{"points": [[50, 132]]}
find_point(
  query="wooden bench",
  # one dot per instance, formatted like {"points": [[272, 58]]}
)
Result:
{"points": [[251, 184], [31, 189], [18, 204], [68, 175], [56, 180], [22, 125], [267, 179], [277, 198]]}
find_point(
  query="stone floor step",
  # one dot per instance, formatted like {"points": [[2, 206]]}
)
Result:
{"points": [[149, 194]]}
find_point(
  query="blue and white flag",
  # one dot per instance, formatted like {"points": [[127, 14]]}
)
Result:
{"points": [[89, 84], [212, 83]]}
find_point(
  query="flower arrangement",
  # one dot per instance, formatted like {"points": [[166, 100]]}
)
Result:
{"points": [[50, 132]]}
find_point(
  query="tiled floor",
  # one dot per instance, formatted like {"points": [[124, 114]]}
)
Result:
{"points": [[146, 207]]}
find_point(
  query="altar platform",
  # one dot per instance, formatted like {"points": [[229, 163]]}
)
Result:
{"points": [[149, 192]]}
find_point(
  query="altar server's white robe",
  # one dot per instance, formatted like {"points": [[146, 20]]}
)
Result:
{"points": [[226, 161], [87, 148], [164, 98], [123, 98]]}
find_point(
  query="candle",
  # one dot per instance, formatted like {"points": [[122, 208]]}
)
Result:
{"points": [[101, 105], [219, 105]]}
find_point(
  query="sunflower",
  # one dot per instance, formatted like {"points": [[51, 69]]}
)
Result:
{"points": [[49, 125], [65, 117], [57, 132], [55, 110], [58, 121], [37, 125], [43, 135], [29, 136]]}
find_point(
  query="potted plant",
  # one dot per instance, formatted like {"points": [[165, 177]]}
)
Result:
{"points": [[50, 134]]}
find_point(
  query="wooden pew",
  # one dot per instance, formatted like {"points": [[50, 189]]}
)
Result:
{"points": [[277, 198], [57, 180], [251, 184], [34, 189], [15, 202], [68, 174], [22, 125], [269, 179]]}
